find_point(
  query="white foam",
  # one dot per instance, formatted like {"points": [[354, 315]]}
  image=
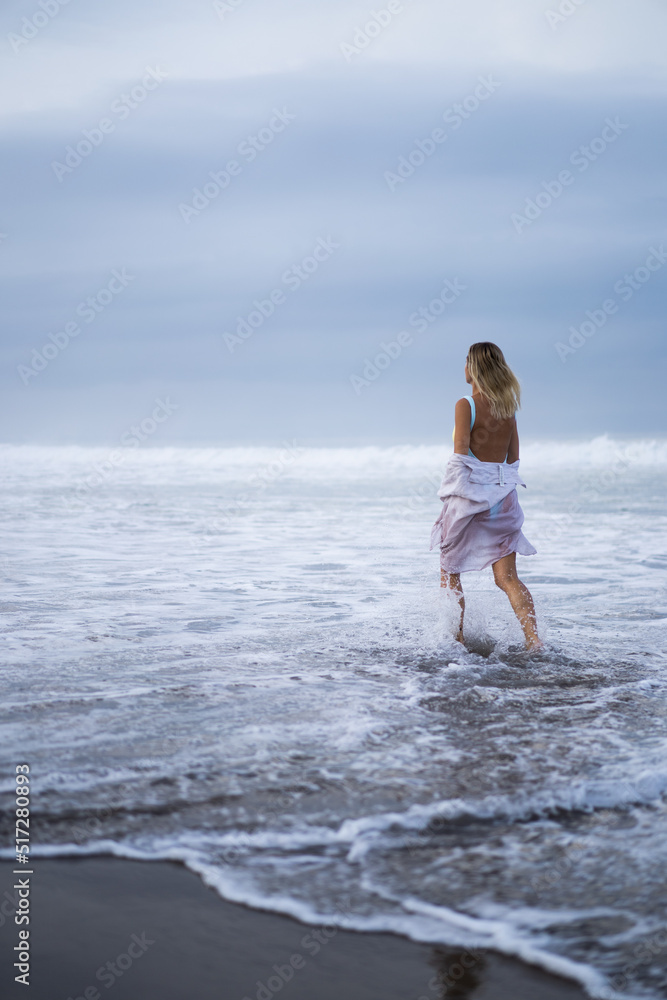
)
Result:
{"points": [[324, 463], [294, 661], [421, 922]]}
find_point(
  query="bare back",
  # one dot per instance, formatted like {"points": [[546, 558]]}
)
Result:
{"points": [[491, 440]]}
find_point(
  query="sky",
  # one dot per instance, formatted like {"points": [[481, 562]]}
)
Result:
{"points": [[287, 221]]}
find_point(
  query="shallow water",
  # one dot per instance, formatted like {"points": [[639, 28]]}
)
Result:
{"points": [[242, 658]]}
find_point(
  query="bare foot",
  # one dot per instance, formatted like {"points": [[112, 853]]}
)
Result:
{"points": [[459, 637], [534, 645]]}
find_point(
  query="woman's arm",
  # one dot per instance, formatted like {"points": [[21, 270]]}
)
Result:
{"points": [[513, 450], [462, 427]]}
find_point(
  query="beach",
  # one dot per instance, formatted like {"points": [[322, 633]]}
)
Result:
{"points": [[258, 739], [189, 943], [240, 660]]}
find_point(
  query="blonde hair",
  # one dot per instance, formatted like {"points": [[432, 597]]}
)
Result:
{"points": [[494, 378]]}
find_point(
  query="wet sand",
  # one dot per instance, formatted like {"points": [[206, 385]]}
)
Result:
{"points": [[129, 930]]}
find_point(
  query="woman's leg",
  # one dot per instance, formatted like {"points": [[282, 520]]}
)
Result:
{"points": [[452, 581], [504, 573]]}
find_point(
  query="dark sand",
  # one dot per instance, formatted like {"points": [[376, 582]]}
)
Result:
{"points": [[84, 913]]}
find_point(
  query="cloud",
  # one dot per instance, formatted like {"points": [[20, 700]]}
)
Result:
{"points": [[324, 175]]}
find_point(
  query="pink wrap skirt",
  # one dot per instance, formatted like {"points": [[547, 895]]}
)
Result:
{"points": [[481, 518]]}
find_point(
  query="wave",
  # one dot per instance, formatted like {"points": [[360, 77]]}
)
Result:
{"points": [[219, 860], [366, 462], [420, 922]]}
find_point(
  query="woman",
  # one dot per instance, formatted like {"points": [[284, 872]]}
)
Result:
{"points": [[480, 523]]}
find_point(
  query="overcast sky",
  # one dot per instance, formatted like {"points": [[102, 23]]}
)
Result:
{"points": [[394, 182]]}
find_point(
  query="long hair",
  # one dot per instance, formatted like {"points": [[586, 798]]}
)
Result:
{"points": [[494, 379]]}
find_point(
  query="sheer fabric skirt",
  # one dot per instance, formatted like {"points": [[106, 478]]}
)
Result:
{"points": [[471, 539]]}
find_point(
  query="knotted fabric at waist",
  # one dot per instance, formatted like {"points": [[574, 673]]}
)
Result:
{"points": [[466, 476], [496, 473]]}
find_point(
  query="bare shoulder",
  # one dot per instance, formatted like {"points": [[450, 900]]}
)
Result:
{"points": [[462, 408]]}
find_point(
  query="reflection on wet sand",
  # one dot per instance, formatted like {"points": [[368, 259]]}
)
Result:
{"points": [[457, 973]]}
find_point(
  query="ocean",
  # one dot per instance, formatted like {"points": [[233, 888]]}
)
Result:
{"points": [[241, 658]]}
